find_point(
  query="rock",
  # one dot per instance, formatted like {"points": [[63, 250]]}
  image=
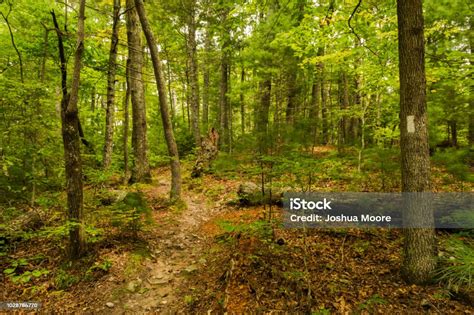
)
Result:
{"points": [[132, 286], [250, 194], [109, 304], [112, 196]]}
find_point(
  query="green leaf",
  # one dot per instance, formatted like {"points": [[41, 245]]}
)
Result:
{"points": [[9, 271]]}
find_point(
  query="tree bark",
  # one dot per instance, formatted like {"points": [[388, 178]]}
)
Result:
{"points": [[223, 100], [109, 116], [161, 86], [262, 115], [316, 107], [141, 169], [242, 103], [126, 121], [193, 73], [291, 105], [206, 81], [419, 243], [324, 107], [71, 141], [470, 135], [453, 128]]}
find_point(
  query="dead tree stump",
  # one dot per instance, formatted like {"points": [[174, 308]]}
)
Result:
{"points": [[207, 153]]}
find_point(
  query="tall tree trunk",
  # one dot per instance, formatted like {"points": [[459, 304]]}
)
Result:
{"points": [[471, 96], [324, 107], [242, 104], [71, 141], [206, 81], [419, 243], [141, 169], [170, 93], [453, 128], [315, 108], [193, 73], [126, 121], [93, 103], [262, 114], [161, 86], [224, 101], [291, 105], [109, 116], [344, 105]]}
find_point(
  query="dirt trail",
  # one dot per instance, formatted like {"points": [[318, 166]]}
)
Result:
{"points": [[175, 255]]}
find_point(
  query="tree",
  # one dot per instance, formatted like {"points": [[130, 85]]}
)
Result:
{"points": [[161, 87], [141, 168], [109, 117], [71, 141], [419, 243], [193, 71]]}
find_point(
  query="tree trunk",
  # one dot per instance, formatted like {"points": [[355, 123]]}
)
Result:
{"points": [[291, 105], [242, 104], [206, 82], [419, 243], [453, 128], [262, 115], [471, 96], [109, 116], [161, 86], [223, 101], [141, 169], [126, 121], [315, 108], [71, 141], [193, 74], [324, 105]]}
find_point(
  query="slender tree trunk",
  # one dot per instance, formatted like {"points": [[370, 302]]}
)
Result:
{"points": [[242, 103], [223, 101], [71, 141], [170, 94], [206, 81], [291, 105], [315, 108], [453, 128], [262, 115], [419, 243], [109, 116], [193, 73], [471, 96], [161, 86], [344, 105], [93, 102], [188, 97], [141, 169], [324, 107], [126, 121]]}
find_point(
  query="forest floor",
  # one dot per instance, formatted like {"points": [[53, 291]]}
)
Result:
{"points": [[210, 254]]}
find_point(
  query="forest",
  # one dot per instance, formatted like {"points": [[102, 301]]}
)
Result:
{"points": [[149, 151]]}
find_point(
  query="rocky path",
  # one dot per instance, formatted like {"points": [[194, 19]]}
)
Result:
{"points": [[175, 255]]}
